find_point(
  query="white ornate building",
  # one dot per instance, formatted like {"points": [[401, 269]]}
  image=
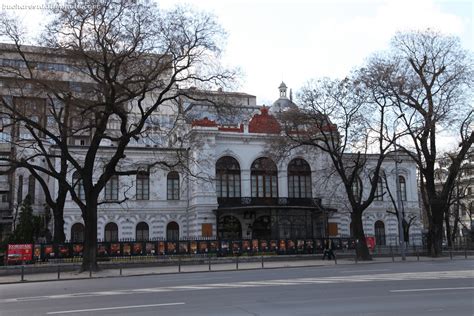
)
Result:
{"points": [[235, 191]]}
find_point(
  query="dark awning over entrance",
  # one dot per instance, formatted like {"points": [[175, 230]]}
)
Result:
{"points": [[276, 218]]}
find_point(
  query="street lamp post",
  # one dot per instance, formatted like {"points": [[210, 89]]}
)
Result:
{"points": [[400, 212]]}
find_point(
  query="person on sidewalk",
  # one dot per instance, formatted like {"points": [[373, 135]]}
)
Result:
{"points": [[329, 250]]}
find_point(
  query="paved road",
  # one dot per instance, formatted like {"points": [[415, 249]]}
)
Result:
{"points": [[413, 288]]}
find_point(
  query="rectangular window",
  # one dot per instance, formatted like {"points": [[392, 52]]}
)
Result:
{"points": [[31, 188], [291, 186], [143, 186], [20, 190], [254, 186], [274, 186], [219, 185], [237, 185], [309, 192], [231, 185], [80, 190], [379, 192], [111, 189], [173, 187], [268, 192]]}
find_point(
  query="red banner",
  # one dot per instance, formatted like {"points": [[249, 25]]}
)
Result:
{"points": [[19, 253]]}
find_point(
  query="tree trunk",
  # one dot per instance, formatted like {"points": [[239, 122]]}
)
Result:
{"points": [[448, 229], [362, 251], [436, 233], [58, 234], [89, 261]]}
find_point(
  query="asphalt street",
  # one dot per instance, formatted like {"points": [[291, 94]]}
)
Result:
{"points": [[442, 287]]}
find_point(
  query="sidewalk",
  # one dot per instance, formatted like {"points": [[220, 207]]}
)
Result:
{"points": [[34, 274]]}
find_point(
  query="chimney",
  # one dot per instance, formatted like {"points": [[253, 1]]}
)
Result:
{"points": [[291, 95]]}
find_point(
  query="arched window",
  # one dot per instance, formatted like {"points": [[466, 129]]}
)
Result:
{"points": [[142, 232], [172, 231], [77, 233], [143, 185], [229, 227], [20, 190], [264, 175], [78, 185], [31, 188], [356, 189], [403, 188], [299, 179], [227, 178], [111, 189], [380, 188], [173, 186], [111, 232], [380, 233]]}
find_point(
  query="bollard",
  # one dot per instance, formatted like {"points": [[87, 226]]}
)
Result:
{"points": [[236, 263], [451, 253], [22, 273], [120, 270], [179, 264], [356, 258], [263, 266], [90, 270], [391, 253], [417, 255], [209, 263], [465, 252], [335, 259], [59, 272]]}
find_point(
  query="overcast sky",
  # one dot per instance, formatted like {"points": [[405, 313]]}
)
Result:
{"points": [[297, 40], [293, 41]]}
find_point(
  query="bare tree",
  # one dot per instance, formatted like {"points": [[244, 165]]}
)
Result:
{"points": [[407, 219], [128, 59], [347, 122], [429, 77], [459, 198]]}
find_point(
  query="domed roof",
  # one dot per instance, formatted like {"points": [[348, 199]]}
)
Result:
{"points": [[283, 103]]}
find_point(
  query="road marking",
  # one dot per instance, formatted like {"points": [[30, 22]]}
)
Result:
{"points": [[406, 276], [112, 308], [435, 289], [355, 271]]}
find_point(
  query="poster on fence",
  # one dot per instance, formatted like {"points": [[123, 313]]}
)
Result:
{"points": [[102, 250], [273, 245], [19, 253], [77, 250], [37, 253], [115, 249], [149, 248], [48, 251], [282, 245], [213, 246], [203, 248], [255, 245], [246, 245], [137, 248], [127, 249], [63, 251], [161, 248]]}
